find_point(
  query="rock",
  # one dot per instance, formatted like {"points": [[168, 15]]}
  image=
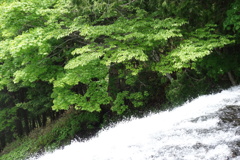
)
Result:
{"points": [[230, 115]]}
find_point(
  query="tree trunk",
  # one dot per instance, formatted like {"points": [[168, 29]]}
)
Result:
{"points": [[26, 121], [39, 121], [33, 125], [169, 77], [44, 119], [114, 82], [19, 127], [231, 78], [2, 141]]}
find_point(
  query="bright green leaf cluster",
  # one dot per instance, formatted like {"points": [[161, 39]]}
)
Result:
{"points": [[80, 49], [200, 43]]}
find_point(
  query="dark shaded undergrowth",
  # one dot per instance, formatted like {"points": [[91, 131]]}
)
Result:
{"points": [[54, 135], [82, 125]]}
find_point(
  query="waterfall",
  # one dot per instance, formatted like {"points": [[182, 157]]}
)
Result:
{"points": [[206, 128]]}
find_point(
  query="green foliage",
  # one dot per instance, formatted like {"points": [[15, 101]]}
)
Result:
{"points": [[89, 54], [219, 63], [200, 43], [187, 86], [95, 95], [233, 18], [7, 117], [66, 47], [52, 136], [137, 98], [123, 41], [19, 150], [119, 105]]}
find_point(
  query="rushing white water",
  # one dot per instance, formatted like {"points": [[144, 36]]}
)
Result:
{"points": [[196, 130]]}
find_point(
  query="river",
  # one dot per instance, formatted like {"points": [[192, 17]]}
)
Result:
{"points": [[206, 128]]}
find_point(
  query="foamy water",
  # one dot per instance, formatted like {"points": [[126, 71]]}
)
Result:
{"points": [[191, 132]]}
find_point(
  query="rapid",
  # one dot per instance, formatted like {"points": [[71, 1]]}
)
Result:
{"points": [[206, 128]]}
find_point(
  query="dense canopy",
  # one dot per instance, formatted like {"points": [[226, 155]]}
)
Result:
{"points": [[110, 55]]}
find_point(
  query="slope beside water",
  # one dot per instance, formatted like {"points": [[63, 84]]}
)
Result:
{"points": [[200, 129]]}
